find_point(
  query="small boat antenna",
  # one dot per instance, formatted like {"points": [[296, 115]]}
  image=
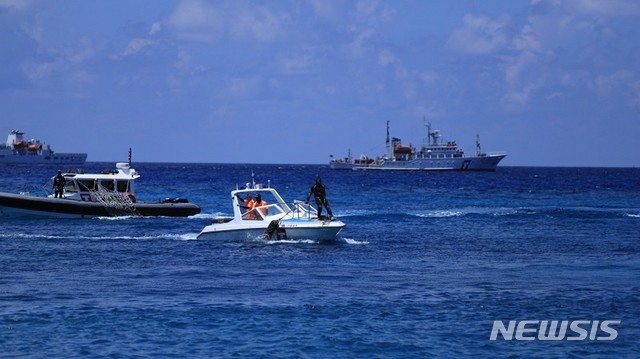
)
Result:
{"points": [[129, 156], [253, 179]]}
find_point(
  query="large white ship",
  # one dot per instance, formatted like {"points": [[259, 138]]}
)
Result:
{"points": [[434, 155], [19, 150]]}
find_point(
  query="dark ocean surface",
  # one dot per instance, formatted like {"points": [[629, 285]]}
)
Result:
{"points": [[428, 261]]}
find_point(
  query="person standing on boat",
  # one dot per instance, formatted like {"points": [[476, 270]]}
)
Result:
{"points": [[320, 195], [58, 185]]}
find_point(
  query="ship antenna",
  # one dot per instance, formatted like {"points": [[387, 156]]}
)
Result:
{"points": [[428, 126], [388, 146], [129, 156]]}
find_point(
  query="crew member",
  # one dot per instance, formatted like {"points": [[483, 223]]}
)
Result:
{"points": [[248, 201], [58, 185], [320, 195], [248, 206], [260, 203]]}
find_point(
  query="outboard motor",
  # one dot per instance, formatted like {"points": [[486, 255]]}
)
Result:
{"points": [[274, 228]]}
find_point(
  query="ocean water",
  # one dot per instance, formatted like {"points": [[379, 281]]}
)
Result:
{"points": [[427, 263]]}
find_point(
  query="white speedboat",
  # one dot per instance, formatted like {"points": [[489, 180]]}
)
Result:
{"points": [[274, 221]]}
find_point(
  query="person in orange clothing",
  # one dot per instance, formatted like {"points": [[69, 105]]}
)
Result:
{"points": [[260, 203], [249, 203]]}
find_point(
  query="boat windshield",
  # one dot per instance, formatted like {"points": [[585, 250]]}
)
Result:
{"points": [[86, 185], [260, 213], [70, 187], [123, 186]]}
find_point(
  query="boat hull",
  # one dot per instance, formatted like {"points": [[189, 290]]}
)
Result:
{"points": [[293, 230], [15, 205], [483, 163]]}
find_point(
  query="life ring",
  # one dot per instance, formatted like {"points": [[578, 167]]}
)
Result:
{"points": [[131, 197]]}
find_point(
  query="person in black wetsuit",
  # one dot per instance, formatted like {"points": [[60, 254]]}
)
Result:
{"points": [[58, 185], [320, 195]]}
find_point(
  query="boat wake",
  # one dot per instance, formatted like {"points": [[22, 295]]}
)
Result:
{"points": [[211, 215], [119, 218], [352, 241], [171, 236], [185, 237], [126, 218], [337, 241], [459, 212], [551, 211]]}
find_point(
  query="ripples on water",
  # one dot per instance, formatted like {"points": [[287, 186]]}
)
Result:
{"points": [[425, 265]]}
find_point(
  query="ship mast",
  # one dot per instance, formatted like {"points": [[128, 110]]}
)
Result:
{"points": [[428, 126], [388, 142]]}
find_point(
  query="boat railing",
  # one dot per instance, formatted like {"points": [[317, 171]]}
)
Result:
{"points": [[303, 210], [27, 189]]}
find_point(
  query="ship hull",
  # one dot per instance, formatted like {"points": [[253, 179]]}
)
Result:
{"points": [[77, 159], [480, 163]]}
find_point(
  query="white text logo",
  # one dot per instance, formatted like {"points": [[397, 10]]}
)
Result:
{"points": [[555, 330]]}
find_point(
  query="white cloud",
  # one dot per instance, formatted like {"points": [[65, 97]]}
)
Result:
{"points": [[520, 96], [606, 8], [634, 98], [67, 60], [370, 16], [526, 40], [14, 4], [37, 71], [622, 83], [429, 77], [517, 64], [325, 9], [198, 21], [184, 59], [258, 23], [386, 57], [82, 53], [135, 46], [371, 12], [295, 64], [208, 22], [242, 87], [359, 44], [479, 35], [155, 28], [605, 84]]}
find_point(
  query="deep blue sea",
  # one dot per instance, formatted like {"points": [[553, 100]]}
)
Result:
{"points": [[428, 261]]}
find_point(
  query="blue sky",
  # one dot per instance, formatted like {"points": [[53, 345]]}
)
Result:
{"points": [[552, 83]]}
